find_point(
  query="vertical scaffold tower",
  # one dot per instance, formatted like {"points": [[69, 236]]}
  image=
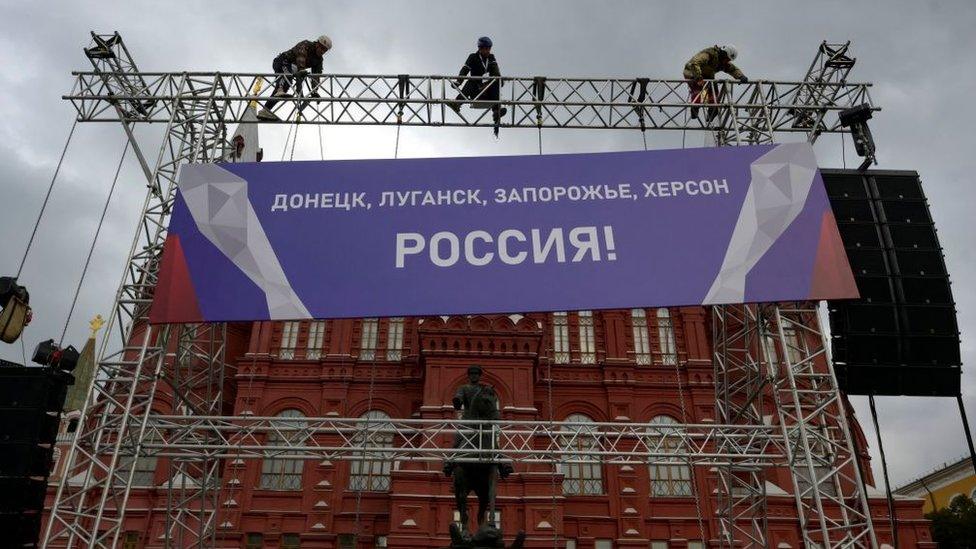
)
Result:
{"points": [[161, 392]]}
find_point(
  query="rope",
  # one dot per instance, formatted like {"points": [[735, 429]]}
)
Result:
{"points": [[321, 147], [287, 138], [691, 468], [369, 408], [47, 196], [396, 148], [91, 250], [298, 120], [552, 422], [644, 136], [843, 151]]}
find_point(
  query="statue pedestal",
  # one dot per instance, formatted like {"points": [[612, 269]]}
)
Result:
{"points": [[487, 537]]}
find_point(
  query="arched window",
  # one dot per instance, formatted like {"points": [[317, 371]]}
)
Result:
{"points": [[282, 473], [665, 337], [583, 476], [371, 473], [668, 479]]}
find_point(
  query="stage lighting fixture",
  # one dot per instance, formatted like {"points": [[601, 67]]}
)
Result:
{"points": [[48, 353], [856, 118]]}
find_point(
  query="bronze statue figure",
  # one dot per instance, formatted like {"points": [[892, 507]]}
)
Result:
{"points": [[476, 401]]}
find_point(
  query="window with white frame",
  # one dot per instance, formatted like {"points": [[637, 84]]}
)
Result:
{"points": [[560, 338], [316, 334], [673, 476], [665, 336], [642, 339], [284, 473], [367, 339], [289, 340], [582, 476], [371, 473], [394, 338], [587, 338]]}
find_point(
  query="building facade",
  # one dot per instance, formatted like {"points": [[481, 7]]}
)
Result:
{"points": [[942, 485], [640, 365]]}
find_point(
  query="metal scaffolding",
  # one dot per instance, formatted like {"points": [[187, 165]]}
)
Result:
{"points": [[161, 393], [771, 368]]}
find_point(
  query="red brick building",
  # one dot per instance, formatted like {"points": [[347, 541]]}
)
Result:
{"points": [[639, 365]]}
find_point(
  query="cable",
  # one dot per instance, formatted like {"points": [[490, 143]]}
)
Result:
{"points": [[644, 136], [396, 148], [843, 150], [366, 462], [91, 250], [684, 419], [321, 146], [294, 141], [287, 138], [884, 468], [47, 196]]}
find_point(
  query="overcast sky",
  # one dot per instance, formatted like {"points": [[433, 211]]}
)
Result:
{"points": [[919, 55]]}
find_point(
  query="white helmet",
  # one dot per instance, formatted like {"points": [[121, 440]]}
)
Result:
{"points": [[729, 50], [325, 41]]}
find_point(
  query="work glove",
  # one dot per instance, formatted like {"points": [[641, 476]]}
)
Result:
{"points": [[743, 79], [301, 73]]}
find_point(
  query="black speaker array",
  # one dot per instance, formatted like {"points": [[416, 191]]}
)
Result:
{"points": [[901, 337], [30, 406]]}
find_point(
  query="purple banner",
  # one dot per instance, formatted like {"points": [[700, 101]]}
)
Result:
{"points": [[415, 237]]}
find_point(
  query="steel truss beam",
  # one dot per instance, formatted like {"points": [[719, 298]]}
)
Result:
{"points": [[532, 102], [797, 381], [92, 495], [247, 437]]}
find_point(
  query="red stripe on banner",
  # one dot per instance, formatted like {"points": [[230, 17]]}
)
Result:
{"points": [[832, 276], [175, 296]]}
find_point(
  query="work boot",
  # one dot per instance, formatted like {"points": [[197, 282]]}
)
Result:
{"points": [[694, 113], [265, 114], [455, 106]]}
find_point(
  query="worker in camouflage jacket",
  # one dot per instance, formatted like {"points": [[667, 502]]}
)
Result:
{"points": [[304, 58], [704, 66]]}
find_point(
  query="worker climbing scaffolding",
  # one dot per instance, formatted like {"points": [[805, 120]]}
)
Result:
{"points": [[703, 66], [294, 65]]}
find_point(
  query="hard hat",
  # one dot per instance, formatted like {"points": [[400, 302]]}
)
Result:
{"points": [[325, 41], [484, 42], [730, 51]]}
